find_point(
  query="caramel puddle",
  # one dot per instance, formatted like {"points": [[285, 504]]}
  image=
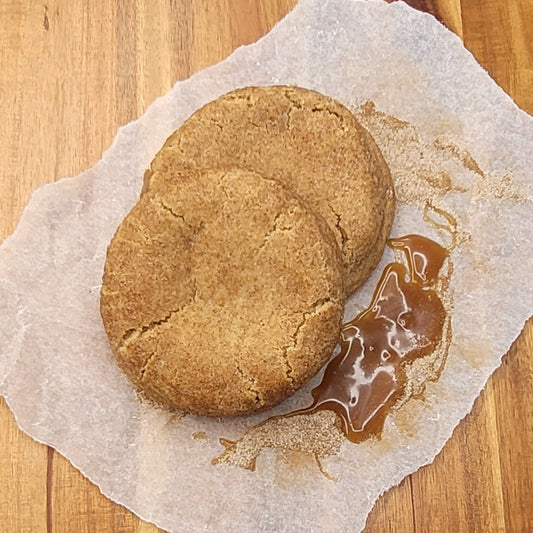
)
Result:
{"points": [[403, 322]]}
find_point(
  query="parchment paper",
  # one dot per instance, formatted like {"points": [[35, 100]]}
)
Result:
{"points": [[457, 140]]}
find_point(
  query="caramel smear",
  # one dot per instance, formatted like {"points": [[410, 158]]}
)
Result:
{"points": [[404, 322]]}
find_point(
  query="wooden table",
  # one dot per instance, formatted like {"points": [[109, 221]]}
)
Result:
{"points": [[72, 72]]}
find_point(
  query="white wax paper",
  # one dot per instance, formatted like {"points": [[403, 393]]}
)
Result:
{"points": [[459, 142]]}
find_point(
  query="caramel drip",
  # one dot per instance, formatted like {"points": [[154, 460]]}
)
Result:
{"points": [[403, 322]]}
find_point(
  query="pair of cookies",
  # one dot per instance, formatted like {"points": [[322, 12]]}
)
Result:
{"points": [[224, 286]]}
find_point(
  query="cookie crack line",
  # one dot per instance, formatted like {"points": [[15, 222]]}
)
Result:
{"points": [[316, 306], [252, 385], [134, 334], [217, 124], [242, 98], [325, 109], [294, 101], [145, 365], [338, 225], [315, 109], [276, 227], [158, 201], [195, 230], [174, 142]]}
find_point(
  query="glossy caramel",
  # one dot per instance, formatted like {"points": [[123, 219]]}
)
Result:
{"points": [[403, 322]]}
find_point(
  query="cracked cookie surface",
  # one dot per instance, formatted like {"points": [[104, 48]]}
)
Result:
{"points": [[222, 294], [307, 141]]}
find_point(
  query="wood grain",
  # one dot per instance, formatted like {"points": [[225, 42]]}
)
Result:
{"points": [[72, 72]]}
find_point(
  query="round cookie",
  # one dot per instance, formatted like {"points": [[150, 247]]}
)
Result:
{"points": [[223, 295], [307, 141]]}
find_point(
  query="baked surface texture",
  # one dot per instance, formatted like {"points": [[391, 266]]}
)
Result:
{"points": [[307, 141], [222, 293]]}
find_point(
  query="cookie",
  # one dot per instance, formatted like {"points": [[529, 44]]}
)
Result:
{"points": [[307, 141], [222, 294]]}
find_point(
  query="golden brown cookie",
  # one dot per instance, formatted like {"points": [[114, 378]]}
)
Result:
{"points": [[310, 143], [222, 294]]}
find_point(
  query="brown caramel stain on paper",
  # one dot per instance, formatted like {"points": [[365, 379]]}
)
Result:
{"points": [[422, 172], [476, 356], [426, 170], [369, 112], [463, 156], [403, 421], [499, 188], [485, 186], [294, 468], [316, 435]]}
